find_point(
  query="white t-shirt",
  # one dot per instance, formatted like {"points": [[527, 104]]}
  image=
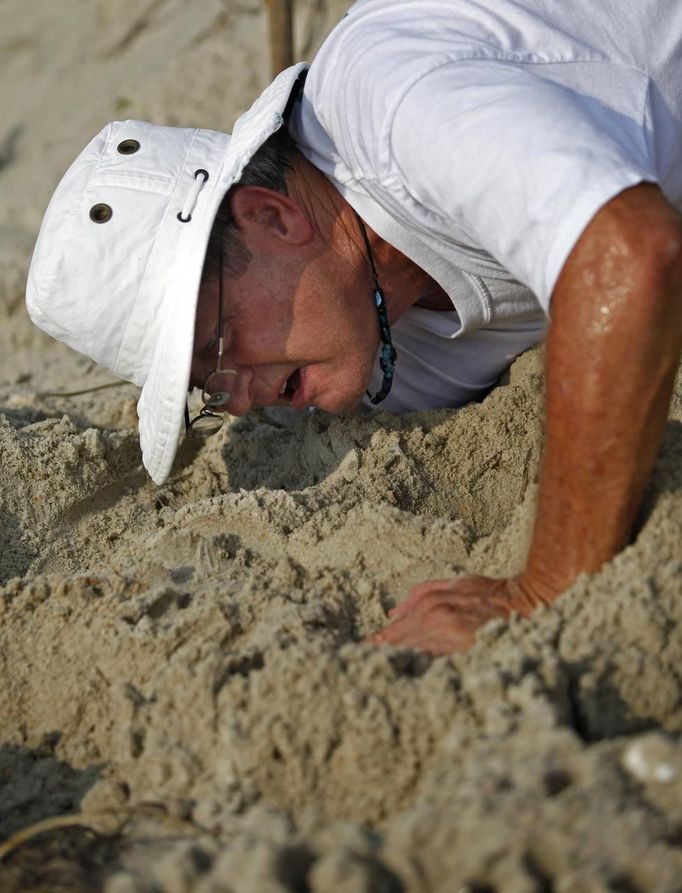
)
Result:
{"points": [[480, 137]]}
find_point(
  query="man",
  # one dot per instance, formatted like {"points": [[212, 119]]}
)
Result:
{"points": [[459, 170]]}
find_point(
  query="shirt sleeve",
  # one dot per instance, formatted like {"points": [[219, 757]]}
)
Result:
{"points": [[511, 163]]}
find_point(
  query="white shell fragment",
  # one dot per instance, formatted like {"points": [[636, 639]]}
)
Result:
{"points": [[653, 759]]}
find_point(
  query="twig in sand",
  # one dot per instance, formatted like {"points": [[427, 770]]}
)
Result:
{"points": [[88, 820]]}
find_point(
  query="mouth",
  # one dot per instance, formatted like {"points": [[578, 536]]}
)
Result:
{"points": [[291, 387]]}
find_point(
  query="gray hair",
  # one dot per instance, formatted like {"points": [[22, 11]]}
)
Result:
{"points": [[269, 167]]}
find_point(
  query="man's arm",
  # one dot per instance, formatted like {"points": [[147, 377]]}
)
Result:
{"points": [[612, 354]]}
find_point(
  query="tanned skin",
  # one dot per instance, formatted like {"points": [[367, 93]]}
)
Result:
{"points": [[612, 354]]}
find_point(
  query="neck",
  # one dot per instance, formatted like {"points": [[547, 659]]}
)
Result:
{"points": [[403, 282]]}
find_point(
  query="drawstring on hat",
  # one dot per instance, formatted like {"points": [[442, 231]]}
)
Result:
{"points": [[200, 178]]}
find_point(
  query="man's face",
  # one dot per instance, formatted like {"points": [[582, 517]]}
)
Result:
{"points": [[297, 334]]}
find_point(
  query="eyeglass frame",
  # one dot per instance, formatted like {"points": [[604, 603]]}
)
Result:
{"points": [[208, 410]]}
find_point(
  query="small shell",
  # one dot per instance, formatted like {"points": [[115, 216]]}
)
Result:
{"points": [[653, 759]]}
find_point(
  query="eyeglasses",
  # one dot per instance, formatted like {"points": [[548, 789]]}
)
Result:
{"points": [[217, 388]]}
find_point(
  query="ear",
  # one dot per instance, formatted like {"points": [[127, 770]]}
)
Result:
{"points": [[266, 214]]}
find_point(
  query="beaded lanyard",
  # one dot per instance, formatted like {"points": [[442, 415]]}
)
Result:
{"points": [[388, 354]]}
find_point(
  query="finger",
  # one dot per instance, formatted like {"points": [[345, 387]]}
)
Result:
{"points": [[399, 633], [434, 641], [375, 638], [466, 595], [443, 644], [387, 636], [419, 592], [426, 618]]}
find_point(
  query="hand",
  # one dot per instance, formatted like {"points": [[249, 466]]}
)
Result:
{"points": [[442, 616]]}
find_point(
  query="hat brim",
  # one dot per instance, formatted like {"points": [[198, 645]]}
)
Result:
{"points": [[161, 407]]}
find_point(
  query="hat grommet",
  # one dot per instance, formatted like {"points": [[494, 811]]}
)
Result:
{"points": [[101, 213], [128, 147]]}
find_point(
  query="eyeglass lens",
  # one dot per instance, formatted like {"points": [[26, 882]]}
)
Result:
{"points": [[217, 388], [205, 424]]}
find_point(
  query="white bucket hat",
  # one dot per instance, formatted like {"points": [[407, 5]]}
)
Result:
{"points": [[117, 266]]}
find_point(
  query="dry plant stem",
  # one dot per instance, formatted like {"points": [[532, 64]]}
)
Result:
{"points": [[612, 354], [281, 13], [88, 820], [52, 824]]}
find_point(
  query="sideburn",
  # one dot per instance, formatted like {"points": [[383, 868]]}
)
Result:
{"points": [[237, 255]]}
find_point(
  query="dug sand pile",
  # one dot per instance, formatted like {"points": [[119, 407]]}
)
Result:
{"points": [[182, 666]]}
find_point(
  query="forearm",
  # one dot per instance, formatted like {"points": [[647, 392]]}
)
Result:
{"points": [[612, 355]]}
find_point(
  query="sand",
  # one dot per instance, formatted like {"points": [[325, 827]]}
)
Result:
{"points": [[182, 666]]}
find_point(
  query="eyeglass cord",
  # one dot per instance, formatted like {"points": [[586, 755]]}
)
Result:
{"points": [[388, 353]]}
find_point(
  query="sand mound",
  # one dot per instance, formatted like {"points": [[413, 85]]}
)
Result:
{"points": [[185, 665]]}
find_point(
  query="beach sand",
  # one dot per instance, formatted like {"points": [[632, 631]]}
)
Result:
{"points": [[182, 666]]}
